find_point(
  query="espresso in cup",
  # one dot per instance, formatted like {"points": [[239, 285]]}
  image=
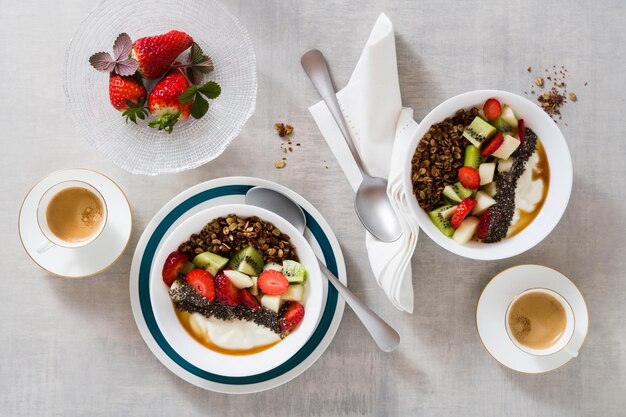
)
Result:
{"points": [[71, 214], [540, 321], [74, 214], [537, 320]]}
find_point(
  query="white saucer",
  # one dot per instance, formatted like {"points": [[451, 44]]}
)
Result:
{"points": [[491, 312], [86, 260]]}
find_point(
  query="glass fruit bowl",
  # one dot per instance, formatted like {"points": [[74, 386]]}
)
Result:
{"points": [[138, 148]]}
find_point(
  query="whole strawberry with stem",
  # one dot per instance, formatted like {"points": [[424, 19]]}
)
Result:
{"points": [[163, 101], [155, 54], [128, 95]]}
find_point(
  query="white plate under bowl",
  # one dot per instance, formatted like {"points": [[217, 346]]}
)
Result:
{"points": [[495, 300], [219, 363], [221, 191], [561, 175], [92, 258]]}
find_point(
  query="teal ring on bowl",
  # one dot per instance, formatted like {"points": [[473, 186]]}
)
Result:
{"points": [[146, 304]]}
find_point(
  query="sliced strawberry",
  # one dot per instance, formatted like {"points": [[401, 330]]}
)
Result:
{"points": [[292, 313], [226, 292], [202, 281], [172, 266], [488, 217], [493, 145], [248, 299], [272, 282], [469, 177], [521, 130], [492, 109], [461, 212]]}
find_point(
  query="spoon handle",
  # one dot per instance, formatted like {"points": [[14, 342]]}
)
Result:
{"points": [[383, 334], [315, 66]]}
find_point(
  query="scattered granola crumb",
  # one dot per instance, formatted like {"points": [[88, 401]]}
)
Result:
{"points": [[539, 82], [283, 129], [585, 83], [529, 69], [572, 96], [556, 95], [280, 164]]}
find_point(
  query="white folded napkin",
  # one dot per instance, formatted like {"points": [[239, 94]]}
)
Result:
{"points": [[372, 106]]}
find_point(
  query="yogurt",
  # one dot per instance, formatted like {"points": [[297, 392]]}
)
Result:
{"points": [[231, 334], [528, 191]]}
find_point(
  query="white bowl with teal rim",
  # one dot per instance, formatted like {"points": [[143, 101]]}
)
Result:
{"points": [[560, 185], [224, 364]]}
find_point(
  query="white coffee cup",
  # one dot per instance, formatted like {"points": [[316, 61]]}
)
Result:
{"points": [[563, 342], [51, 239]]}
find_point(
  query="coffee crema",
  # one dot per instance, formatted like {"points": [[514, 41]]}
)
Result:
{"points": [[537, 320], [74, 214]]}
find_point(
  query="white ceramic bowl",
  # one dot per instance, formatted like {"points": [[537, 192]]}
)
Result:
{"points": [[231, 365], [559, 190]]}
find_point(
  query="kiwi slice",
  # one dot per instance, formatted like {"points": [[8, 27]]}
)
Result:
{"points": [[294, 271], [456, 192], [472, 156], [442, 223], [188, 267], [501, 125], [247, 260], [210, 261], [478, 131]]}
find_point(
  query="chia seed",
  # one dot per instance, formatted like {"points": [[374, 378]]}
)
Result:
{"points": [[187, 299], [506, 183]]}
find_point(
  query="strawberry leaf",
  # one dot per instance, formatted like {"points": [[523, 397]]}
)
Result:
{"points": [[121, 62], [198, 63], [187, 96], [211, 90], [199, 107]]}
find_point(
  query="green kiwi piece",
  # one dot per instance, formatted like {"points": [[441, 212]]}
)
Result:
{"points": [[472, 156], [478, 131], [440, 221], [501, 125], [294, 271], [461, 191], [188, 267], [210, 261], [247, 260], [451, 195]]}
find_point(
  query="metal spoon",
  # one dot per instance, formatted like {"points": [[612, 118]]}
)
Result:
{"points": [[372, 203], [384, 335]]}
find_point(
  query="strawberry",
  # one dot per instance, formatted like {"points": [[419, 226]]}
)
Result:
{"points": [[493, 145], [128, 95], [292, 313], [492, 109], [226, 292], [202, 281], [155, 54], [272, 282], [485, 222], [521, 130], [163, 101], [461, 212], [248, 299], [469, 177], [172, 266]]}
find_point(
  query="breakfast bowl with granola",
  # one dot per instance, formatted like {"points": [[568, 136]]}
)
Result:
{"points": [[488, 174], [236, 290]]}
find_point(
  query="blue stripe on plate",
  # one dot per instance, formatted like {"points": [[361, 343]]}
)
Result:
{"points": [[146, 304]]}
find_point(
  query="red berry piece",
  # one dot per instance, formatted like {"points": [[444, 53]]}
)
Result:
{"points": [[462, 210], [469, 177], [225, 291], [172, 266], [492, 109], [493, 145], [155, 54], [202, 281], [521, 130], [248, 299], [272, 282], [292, 314], [484, 225]]}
